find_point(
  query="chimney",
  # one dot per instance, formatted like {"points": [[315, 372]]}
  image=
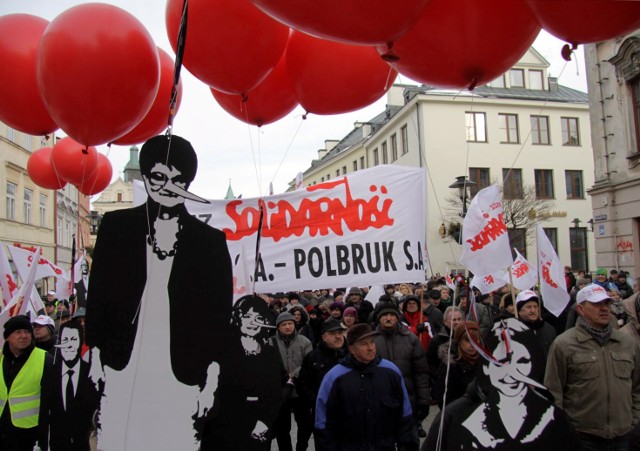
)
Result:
{"points": [[553, 84], [365, 126]]}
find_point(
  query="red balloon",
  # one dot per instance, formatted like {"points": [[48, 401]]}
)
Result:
{"points": [[231, 45], [271, 100], [368, 22], [156, 119], [585, 21], [20, 104], [332, 78], [461, 47], [73, 162], [98, 72], [100, 178], [41, 172]]}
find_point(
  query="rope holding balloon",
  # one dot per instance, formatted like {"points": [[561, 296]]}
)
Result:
{"points": [[182, 38]]}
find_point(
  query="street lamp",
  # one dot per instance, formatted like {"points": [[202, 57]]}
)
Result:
{"points": [[462, 183], [94, 221]]}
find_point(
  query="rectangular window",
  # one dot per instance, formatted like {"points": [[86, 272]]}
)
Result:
{"points": [[11, 200], [516, 78], [337, 172], [344, 170], [394, 148], [544, 183], [552, 234], [512, 183], [321, 179], [476, 126], [535, 79], [498, 82], [540, 130], [635, 94], [67, 233], [385, 157], [355, 165], [570, 133], [508, 125], [518, 239], [578, 248], [43, 210], [405, 139], [328, 176], [11, 134], [480, 176], [361, 162], [26, 205], [376, 158], [575, 188], [59, 230]]}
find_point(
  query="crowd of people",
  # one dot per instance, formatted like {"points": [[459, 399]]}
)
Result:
{"points": [[357, 374]]}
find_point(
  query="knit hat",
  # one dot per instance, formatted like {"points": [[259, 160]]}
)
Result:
{"points": [[18, 322], [461, 331], [350, 311], [434, 294], [359, 332], [388, 309], [601, 272], [355, 290], [524, 297], [337, 305], [410, 298], [284, 316]]}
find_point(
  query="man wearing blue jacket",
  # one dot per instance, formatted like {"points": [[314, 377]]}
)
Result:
{"points": [[363, 403]]}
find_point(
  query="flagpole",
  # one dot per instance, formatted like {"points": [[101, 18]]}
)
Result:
{"points": [[72, 274], [538, 276]]}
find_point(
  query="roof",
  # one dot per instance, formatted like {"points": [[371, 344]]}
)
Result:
{"points": [[562, 94]]}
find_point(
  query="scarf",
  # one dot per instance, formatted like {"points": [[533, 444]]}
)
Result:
{"points": [[601, 335]]}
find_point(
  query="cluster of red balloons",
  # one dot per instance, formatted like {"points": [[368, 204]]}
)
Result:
{"points": [[70, 162]]}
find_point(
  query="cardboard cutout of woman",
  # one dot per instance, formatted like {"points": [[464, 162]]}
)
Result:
{"points": [[158, 309], [518, 412], [249, 393]]}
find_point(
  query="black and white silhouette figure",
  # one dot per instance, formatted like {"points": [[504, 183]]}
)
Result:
{"points": [[518, 412], [249, 394], [158, 310], [82, 285], [74, 397]]}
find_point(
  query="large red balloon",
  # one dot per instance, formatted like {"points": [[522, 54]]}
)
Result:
{"points": [[73, 162], [332, 78], [231, 45], [41, 172], [464, 44], [20, 104], [354, 21], [100, 178], [271, 100], [585, 21], [156, 119], [98, 72]]}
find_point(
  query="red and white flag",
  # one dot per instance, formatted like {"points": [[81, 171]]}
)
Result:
{"points": [[485, 241], [449, 281], [24, 259], [490, 282], [523, 274], [8, 283], [553, 286]]}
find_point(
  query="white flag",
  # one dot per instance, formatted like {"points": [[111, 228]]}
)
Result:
{"points": [[449, 280], [8, 283], [523, 274], [64, 287], [20, 302], [485, 241], [553, 286], [373, 296], [23, 260], [299, 180], [490, 282]]}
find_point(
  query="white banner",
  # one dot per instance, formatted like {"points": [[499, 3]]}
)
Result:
{"points": [[485, 241], [553, 286], [8, 283], [362, 229], [490, 282], [23, 260]]}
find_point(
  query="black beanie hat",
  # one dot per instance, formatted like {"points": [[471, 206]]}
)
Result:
{"points": [[18, 322]]}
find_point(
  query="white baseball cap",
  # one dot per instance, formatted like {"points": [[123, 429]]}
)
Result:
{"points": [[44, 320], [592, 293], [51, 293]]}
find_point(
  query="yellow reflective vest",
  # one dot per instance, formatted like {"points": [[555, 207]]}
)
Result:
{"points": [[24, 396]]}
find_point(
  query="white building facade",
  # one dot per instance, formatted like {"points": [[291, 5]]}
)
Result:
{"points": [[523, 127]]}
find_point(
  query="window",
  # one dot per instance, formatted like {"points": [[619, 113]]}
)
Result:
{"points": [[385, 157], [540, 130], [508, 124], [376, 158], [575, 189], [480, 176], [11, 200], [512, 183], [59, 230], [518, 239], [26, 205], [635, 93], [498, 82], [552, 234], [405, 139], [11, 134], [355, 165], [544, 183], [119, 196], [394, 148], [43, 210], [328, 176], [535, 79], [337, 172], [66, 239], [361, 162], [476, 125], [344, 170], [321, 179], [516, 78], [570, 135], [578, 248]]}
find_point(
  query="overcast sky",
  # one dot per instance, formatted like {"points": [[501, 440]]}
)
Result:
{"points": [[252, 157]]}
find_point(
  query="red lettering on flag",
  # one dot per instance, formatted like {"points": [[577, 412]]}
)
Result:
{"points": [[546, 275], [490, 232]]}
